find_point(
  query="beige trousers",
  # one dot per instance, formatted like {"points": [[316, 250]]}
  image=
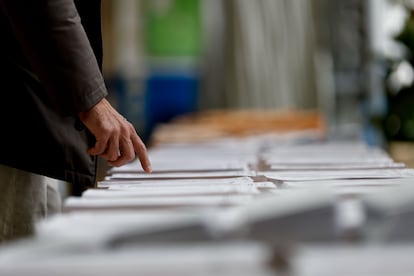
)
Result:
{"points": [[25, 199]]}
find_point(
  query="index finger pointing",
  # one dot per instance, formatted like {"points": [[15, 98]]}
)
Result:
{"points": [[142, 153]]}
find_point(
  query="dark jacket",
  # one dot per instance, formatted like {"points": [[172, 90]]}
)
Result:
{"points": [[50, 70]]}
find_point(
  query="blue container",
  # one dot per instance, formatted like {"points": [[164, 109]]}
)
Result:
{"points": [[169, 95]]}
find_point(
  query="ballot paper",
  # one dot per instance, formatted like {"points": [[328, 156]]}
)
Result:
{"points": [[348, 186], [181, 175], [356, 260], [204, 157], [97, 229], [231, 149], [392, 212], [126, 183], [339, 159], [169, 191], [337, 166], [397, 199], [325, 147], [187, 165], [334, 154], [367, 182], [173, 259], [234, 182], [80, 203], [308, 175], [291, 216]]}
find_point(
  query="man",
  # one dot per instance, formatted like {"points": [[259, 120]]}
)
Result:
{"points": [[54, 117]]}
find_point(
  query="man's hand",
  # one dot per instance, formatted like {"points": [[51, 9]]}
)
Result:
{"points": [[116, 138]]}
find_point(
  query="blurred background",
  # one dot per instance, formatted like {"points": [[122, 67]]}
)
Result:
{"points": [[351, 61]]}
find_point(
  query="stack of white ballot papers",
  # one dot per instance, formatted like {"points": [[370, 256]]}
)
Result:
{"points": [[355, 260], [309, 175], [201, 259], [331, 163], [195, 158], [215, 175], [168, 193], [194, 175], [226, 208], [329, 155]]}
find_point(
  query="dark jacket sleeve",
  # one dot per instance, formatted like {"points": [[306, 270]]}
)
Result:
{"points": [[57, 48]]}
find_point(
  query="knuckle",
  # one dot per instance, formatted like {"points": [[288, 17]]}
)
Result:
{"points": [[131, 127], [123, 129], [109, 130], [106, 128], [130, 156]]}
